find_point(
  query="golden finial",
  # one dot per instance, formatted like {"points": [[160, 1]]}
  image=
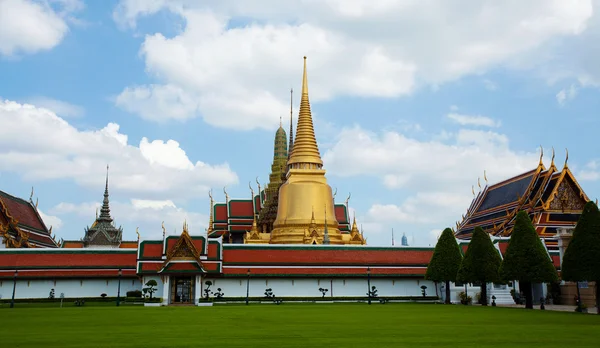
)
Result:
{"points": [[31, 195], [306, 150], [96, 213], [280, 122], [552, 161], [596, 201], [137, 231], [36, 203], [566, 158], [479, 183], [185, 226], [251, 191], [541, 155], [259, 190], [50, 230], [485, 177], [473, 190], [164, 230], [334, 194], [348, 199], [226, 195]]}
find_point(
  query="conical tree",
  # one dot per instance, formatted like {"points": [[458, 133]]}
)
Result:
{"points": [[526, 259], [481, 262], [582, 258], [445, 262]]}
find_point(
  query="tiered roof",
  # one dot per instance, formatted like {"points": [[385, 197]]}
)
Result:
{"points": [[21, 225], [552, 197]]}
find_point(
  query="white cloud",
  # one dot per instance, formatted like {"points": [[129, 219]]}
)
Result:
{"points": [[39, 145], [566, 94], [148, 215], [490, 85], [59, 107], [51, 221], [590, 172], [237, 76], [31, 26], [476, 120], [434, 177]]}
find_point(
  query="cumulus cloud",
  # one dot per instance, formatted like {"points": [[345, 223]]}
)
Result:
{"points": [[59, 107], [475, 120], [30, 26], [236, 76], [566, 94], [435, 177], [39, 145], [51, 221], [148, 215]]}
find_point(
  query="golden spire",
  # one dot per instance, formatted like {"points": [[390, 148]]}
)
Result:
{"points": [[305, 144], [210, 218], [552, 161], [567, 159], [541, 156], [254, 225]]}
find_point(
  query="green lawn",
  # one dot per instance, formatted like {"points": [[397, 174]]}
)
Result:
{"points": [[296, 325]]}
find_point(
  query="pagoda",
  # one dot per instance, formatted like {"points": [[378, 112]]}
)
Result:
{"points": [[552, 198], [103, 232], [297, 205]]}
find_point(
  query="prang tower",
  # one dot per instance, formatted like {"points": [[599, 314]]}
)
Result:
{"points": [[305, 211]]}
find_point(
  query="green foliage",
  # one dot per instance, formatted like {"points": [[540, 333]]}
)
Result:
{"points": [[446, 259], [134, 293], [149, 289], [481, 262], [581, 260], [526, 259]]}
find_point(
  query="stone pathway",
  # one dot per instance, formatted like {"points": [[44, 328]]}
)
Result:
{"points": [[560, 308]]}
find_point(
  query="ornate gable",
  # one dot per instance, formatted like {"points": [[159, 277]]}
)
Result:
{"points": [[183, 250], [567, 195]]}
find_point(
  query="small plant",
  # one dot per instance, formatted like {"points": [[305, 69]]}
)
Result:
{"points": [[372, 292], [493, 300], [150, 287], [269, 293], [134, 293], [323, 291], [208, 284], [103, 296], [464, 298], [219, 294], [424, 290], [51, 295]]}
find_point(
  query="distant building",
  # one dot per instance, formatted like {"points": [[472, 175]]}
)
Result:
{"points": [[404, 241], [552, 198]]}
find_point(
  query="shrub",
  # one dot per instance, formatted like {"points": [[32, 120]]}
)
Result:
{"points": [[134, 293]]}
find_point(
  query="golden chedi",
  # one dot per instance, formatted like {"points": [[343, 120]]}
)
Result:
{"points": [[305, 213]]}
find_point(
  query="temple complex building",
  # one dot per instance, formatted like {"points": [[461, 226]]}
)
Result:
{"points": [[21, 225], [552, 197], [103, 233], [297, 206]]}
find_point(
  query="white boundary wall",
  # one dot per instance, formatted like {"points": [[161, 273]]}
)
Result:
{"points": [[40, 288]]}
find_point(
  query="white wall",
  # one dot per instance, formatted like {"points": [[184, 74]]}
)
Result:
{"points": [[309, 287], [159, 289], [70, 287]]}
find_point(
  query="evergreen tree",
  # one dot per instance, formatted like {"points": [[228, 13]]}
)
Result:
{"points": [[481, 262], [445, 262], [526, 259], [581, 260]]}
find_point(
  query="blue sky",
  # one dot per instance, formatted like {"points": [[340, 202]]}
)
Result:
{"points": [[412, 102]]}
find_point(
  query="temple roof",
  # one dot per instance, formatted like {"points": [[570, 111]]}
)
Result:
{"points": [[23, 222], [552, 198], [103, 232]]}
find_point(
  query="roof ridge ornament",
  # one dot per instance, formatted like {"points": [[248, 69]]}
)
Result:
{"points": [[541, 156], [566, 158], [552, 160]]}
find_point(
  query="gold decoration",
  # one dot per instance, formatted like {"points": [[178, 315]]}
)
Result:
{"points": [[566, 198], [541, 156], [137, 231], [164, 230]]}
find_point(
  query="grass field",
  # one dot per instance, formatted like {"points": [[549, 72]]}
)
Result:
{"points": [[296, 325]]}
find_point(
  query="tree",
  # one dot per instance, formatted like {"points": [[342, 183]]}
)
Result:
{"points": [[481, 262], [581, 260], [150, 287], [445, 262], [526, 259]]}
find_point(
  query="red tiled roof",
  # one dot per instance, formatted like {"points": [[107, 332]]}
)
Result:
{"points": [[318, 255], [325, 271], [22, 211], [129, 245], [63, 258], [68, 244], [69, 273], [240, 208]]}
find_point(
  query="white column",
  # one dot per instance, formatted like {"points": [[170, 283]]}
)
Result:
{"points": [[166, 291], [197, 289]]}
